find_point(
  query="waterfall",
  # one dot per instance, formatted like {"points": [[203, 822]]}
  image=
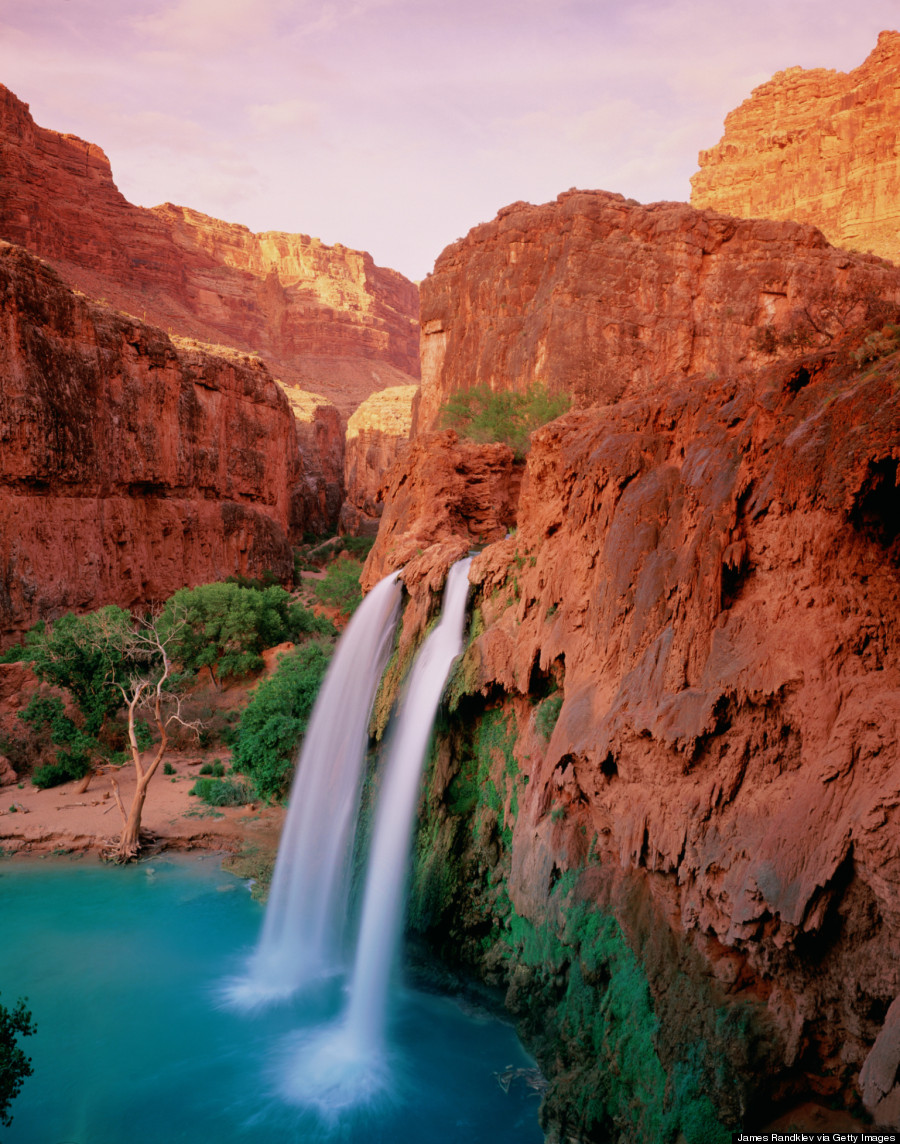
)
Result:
{"points": [[347, 1064], [301, 937], [382, 915]]}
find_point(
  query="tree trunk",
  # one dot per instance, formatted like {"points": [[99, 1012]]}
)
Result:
{"points": [[130, 842]]}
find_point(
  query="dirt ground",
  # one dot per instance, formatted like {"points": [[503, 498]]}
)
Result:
{"points": [[61, 820]]}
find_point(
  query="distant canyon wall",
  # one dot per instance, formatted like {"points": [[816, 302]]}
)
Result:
{"points": [[325, 318], [816, 146], [129, 467]]}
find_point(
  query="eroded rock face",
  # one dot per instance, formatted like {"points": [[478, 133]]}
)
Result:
{"points": [[320, 438], [603, 298], [128, 467], [704, 587], [376, 434], [815, 146], [325, 318], [443, 487]]}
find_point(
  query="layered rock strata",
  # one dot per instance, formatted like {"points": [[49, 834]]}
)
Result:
{"points": [[602, 298], [317, 499], [128, 467], [326, 318], [663, 808], [376, 434], [816, 146]]}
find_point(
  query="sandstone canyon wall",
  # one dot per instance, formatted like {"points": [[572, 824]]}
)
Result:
{"points": [[816, 146], [326, 318], [663, 808], [128, 467], [601, 297], [376, 434]]}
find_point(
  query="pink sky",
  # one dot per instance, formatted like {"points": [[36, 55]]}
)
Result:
{"points": [[396, 125]]}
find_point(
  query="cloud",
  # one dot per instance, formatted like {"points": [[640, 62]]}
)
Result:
{"points": [[289, 113]]}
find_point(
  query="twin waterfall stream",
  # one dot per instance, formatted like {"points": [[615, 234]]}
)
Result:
{"points": [[346, 1063]]}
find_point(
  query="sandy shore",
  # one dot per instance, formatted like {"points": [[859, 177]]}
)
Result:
{"points": [[62, 820]]}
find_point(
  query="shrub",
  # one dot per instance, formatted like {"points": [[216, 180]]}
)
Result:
{"points": [[15, 1066], [340, 587], [228, 626], [215, 769], [359, 546], [276, 719], [547, 715], [168, 769], [74, 746], [222, 792], [484, 416]]}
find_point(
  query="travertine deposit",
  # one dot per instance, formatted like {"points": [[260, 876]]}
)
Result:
{"points": [[601, 297], [679, 708], [376, 434], [128, 468], [325, 318], [816, 146]]}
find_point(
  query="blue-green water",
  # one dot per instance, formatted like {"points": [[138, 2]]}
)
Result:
{"points": [[123, 969]]}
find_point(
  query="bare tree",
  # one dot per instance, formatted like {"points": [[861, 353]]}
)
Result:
{"points": [[148, 647]]}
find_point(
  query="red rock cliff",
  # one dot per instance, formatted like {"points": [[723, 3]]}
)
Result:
{"points": [[599, 296], [325, 318], [602, 297], [706, 575], [816, 146], [376, 434], [128, 467]]}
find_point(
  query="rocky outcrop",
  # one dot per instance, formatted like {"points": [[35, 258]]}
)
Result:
{"points": [[320, 439], [326, 318], [664, 810], [816, 146], [129, 467], [443, 487], [376, 434], [603, 298]]}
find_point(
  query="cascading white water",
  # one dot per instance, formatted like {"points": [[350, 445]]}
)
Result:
{"points": [[347, 1064], [307, 904], [386, 872]]}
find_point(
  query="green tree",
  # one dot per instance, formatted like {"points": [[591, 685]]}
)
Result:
{"points": [[106, 661], [276, 719], [340, 588], [86, 656], [15, 1066], [507, 416], [226, 627]]}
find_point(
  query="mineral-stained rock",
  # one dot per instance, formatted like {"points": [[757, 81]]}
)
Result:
{"points": [[443, 487], [326, 318], [128, 467], [376, 433], [816, 146], [692, 640], [603, 298]]}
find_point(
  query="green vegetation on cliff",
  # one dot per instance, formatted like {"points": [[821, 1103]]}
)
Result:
{"points": [[578, 985], [485, 416]]}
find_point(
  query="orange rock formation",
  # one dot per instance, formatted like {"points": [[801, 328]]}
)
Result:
{"points": [[376, 434], [816, 146], [128, 467], [326, 318], [706, 573], [602, 297]]}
